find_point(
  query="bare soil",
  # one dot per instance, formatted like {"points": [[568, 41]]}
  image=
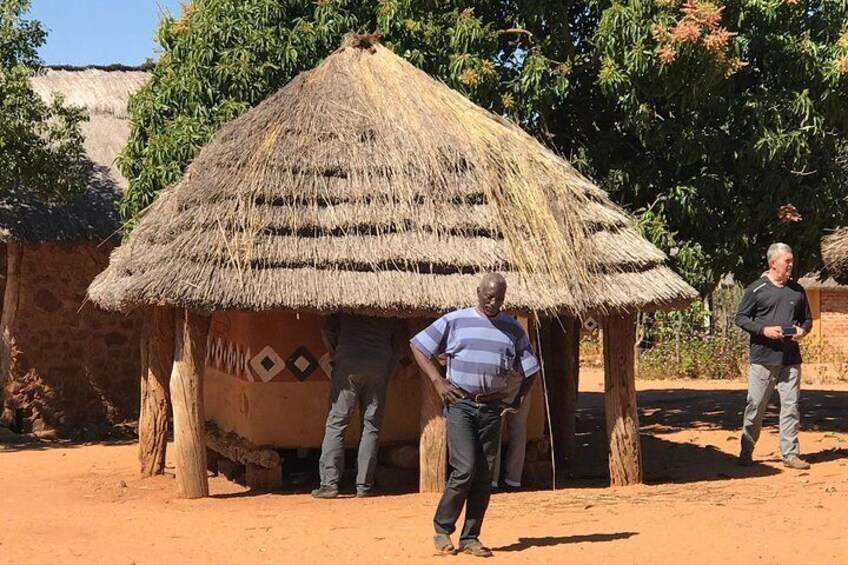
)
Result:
{"points": [[86, 503]]}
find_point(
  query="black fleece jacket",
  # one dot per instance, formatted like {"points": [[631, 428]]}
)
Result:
{"points": [[765, 304]]}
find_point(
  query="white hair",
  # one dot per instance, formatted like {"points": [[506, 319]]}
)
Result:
{"points": [[775, 249]]}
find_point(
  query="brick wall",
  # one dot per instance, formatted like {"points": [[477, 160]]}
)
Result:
{"points": [[834, 318], [74, 368]]}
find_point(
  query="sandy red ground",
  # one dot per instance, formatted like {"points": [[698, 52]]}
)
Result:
{"points": [[86, 504]]}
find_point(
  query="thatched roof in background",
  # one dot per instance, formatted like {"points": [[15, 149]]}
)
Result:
{"points": [[820, 280], [94, 214], [834, 250], [366, 185]]}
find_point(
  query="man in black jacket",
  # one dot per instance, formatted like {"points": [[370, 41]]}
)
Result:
{"points": [[775, 312]]}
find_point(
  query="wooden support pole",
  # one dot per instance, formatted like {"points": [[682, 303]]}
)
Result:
{"points": [[625, 455], [187, 398], [433, 442], [552, 361], [157, 360], [571, 361], [561, 350], [9, 322]]}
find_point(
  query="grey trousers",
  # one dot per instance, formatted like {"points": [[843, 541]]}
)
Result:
{"points": [[345, 389], [516, 435], [762, 380]]}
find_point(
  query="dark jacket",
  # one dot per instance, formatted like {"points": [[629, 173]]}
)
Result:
{"points": [[765, 304]]}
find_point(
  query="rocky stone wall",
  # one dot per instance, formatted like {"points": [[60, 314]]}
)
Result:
{"points": [[73, 369]]}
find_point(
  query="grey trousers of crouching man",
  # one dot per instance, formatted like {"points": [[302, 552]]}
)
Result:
{"points": [[762, 380], [516, 436], [346, 388]]}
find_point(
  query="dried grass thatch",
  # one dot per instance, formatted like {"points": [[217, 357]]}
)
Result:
{"points": [[819, 280], [366, 185], [93, 215], [834, 250]]}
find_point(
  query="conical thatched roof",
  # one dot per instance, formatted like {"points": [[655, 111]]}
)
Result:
{"points": [[94, 214], [834, 250], [366, 185]]}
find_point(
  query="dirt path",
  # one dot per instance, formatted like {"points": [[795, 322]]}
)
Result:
{"points": [[85, 504]]}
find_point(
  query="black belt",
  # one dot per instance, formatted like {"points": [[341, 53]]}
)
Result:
{"points": [[485, 397]]}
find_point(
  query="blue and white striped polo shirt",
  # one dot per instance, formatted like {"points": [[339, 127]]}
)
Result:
{"points": [[480, 352]]}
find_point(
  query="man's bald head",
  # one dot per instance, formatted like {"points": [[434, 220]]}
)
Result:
{"points": [[490, 294], [495, 279]]}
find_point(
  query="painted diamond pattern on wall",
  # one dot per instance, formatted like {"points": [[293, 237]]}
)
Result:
{"points": [[590, 324], [267, 364], [302, 363]]}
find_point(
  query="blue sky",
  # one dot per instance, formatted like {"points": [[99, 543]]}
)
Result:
{"points": [[100, 32]]}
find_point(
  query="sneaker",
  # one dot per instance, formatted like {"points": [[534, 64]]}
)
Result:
{"points": [[325, 492], [745, 460], [363, 493], [796, 463], [475, 548]]}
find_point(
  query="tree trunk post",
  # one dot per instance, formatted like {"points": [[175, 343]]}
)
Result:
{"points": [[9, 329], [560, 350], [553, 363], [191, 331], [625, 455], [157, 360], [433, 444], [571, 380]]}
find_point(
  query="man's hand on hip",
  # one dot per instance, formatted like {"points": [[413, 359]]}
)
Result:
{"points": [[773, 332], [449, 393]]}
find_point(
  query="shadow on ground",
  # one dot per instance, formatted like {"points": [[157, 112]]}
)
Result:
{"points": [[665, 412], [548, 541]]}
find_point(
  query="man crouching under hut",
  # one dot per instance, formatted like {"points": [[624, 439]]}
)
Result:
{"points": [[482, 345], [364, 352]]}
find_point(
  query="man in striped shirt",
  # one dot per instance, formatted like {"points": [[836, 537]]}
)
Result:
{"points": [[481, 345]]}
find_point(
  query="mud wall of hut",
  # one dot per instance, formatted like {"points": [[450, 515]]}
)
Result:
{"points": [[267, 379], [72, 369]]}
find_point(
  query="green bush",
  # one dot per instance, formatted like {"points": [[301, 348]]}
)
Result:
{"points": [[693, 343], [694, 356]]}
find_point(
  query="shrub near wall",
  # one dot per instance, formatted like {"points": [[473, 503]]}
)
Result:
{"points": [[691, 344]]}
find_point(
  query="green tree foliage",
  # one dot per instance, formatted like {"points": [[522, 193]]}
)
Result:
{"points": [[41, 147], [724, 128], [733, 125]]}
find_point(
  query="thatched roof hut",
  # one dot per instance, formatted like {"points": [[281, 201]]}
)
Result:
{"points": [[834, 250], [827, 294], [364, 185], [93, 216], [54, 372]]}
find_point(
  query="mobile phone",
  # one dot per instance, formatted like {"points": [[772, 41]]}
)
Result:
{"points": [[789, 330]]}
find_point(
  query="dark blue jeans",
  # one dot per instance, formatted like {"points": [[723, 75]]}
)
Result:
{"points": [[473, 435]]}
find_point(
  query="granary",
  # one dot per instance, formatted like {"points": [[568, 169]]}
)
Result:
{"points": [[67, 367], [827, 293], [366, 186]]}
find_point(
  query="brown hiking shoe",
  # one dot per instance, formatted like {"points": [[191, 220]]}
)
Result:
{"points": [[796, 463], [325, 492]]}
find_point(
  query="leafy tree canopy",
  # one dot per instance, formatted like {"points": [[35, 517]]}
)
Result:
{"points": [[41, 147], [724, 127]]}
